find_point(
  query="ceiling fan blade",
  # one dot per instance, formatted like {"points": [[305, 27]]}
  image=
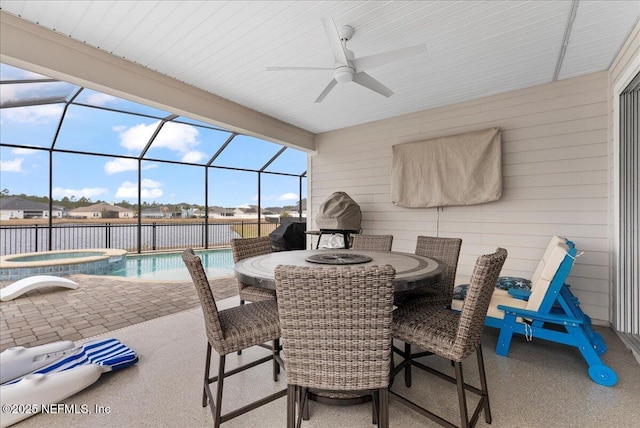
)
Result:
{"points": [[326, 90], [334, 40], [370, 61], [369, 82], [298, 68]]}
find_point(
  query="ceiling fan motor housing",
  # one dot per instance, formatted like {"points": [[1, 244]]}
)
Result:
{"points": [[343, 74]]}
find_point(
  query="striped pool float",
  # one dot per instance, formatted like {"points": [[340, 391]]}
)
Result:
{"points": [[110, 354]]}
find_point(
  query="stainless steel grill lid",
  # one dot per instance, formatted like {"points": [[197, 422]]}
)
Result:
{"points": [[339, 212]]}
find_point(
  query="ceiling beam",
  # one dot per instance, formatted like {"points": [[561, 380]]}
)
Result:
{"points": [[565, 39]]}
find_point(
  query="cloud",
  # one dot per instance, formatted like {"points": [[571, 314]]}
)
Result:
{"points": [[288, 197], [193, 156], [87, 192], [117, 165], [173, 136], [14, 165], [100, 99], [33, 115], [150, 190], [22, 151], [149, 183]]}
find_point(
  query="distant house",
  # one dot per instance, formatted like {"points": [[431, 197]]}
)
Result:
{"points": [[295, 213], [219, 212], [157, 212], [12, 207], [101, 210], [251, 212], [188, 212]]}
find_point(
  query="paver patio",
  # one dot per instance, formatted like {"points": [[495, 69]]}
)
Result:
{"points": [[98, 305]]}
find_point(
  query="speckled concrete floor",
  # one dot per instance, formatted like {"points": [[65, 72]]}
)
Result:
{"points": [[540, 384]]}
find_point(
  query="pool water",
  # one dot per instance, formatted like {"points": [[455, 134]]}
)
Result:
{"points": [[170, 267], [57, 256]]}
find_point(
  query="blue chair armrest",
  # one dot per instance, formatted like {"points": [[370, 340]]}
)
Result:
{"points": [[552, 318], [519, 293]]}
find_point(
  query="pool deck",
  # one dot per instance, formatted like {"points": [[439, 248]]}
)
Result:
{"points": [[100, 304]]}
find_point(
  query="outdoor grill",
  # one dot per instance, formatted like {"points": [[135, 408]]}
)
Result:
{"points": [[339, 214], [289, 235]]}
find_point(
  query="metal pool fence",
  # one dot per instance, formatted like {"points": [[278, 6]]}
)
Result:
{"points": [[153, 236]]}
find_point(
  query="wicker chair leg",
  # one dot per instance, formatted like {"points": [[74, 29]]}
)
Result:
{"points": [[462, 398], [218, 403], [207, 366], [375, 408], [304, 403], [483, 385], [292, 398], [407, 368], [240, 350], [383, 408], [276, 354]]}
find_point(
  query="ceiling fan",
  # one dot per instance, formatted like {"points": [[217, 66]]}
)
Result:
{"points": [[347, 68]]}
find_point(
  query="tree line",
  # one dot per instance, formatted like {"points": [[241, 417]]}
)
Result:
{"points": [[72, 202]]}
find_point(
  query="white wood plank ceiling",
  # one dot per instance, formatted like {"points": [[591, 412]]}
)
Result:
{"points": [[474, 48]]}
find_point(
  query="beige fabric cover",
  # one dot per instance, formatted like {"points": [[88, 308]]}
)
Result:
{"points": [[339, 212], [463, 169]]}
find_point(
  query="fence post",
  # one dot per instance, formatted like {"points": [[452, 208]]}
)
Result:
{"points": [[153, 236], [108, 237]]}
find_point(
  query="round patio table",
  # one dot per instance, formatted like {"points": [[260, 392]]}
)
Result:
{"points": [[412, 271]]}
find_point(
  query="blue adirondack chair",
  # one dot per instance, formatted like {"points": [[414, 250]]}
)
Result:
{"points": [[551, 312]]}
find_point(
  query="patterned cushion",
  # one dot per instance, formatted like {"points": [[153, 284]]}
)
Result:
{"points": [[503, 283], [460, 291], [507, 282]]}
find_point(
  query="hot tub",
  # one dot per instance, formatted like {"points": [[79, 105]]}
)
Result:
{"points": [[97, 261]]}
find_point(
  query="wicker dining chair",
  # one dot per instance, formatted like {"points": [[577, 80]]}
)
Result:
{"points": [[452, 335], [447, 251], [231, 330], [249, 247], [336, 333], [372, 242]]}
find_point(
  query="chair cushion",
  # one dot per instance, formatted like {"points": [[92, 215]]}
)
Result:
{"points": [[431, 328], [540, 287], [251, 293], [248, 325], [425, 296], [509, 282], [504, 283]]}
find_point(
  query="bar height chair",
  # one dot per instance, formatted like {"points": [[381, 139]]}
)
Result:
{"points": [[231, 330], [454, 336], [249, 247], [336, 334], [372, 242], [446, 250]]}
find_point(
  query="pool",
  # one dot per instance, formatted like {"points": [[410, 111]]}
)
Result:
{"points": [[170, 267], [61, 263]]}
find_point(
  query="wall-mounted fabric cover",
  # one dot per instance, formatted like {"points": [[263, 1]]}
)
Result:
{"points": [[463, 169], [339, 212]]}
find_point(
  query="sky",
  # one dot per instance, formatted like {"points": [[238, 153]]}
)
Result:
{"points": [[90, 129]]}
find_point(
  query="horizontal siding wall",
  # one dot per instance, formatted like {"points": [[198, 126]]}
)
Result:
{"points": [[556, 180]]}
